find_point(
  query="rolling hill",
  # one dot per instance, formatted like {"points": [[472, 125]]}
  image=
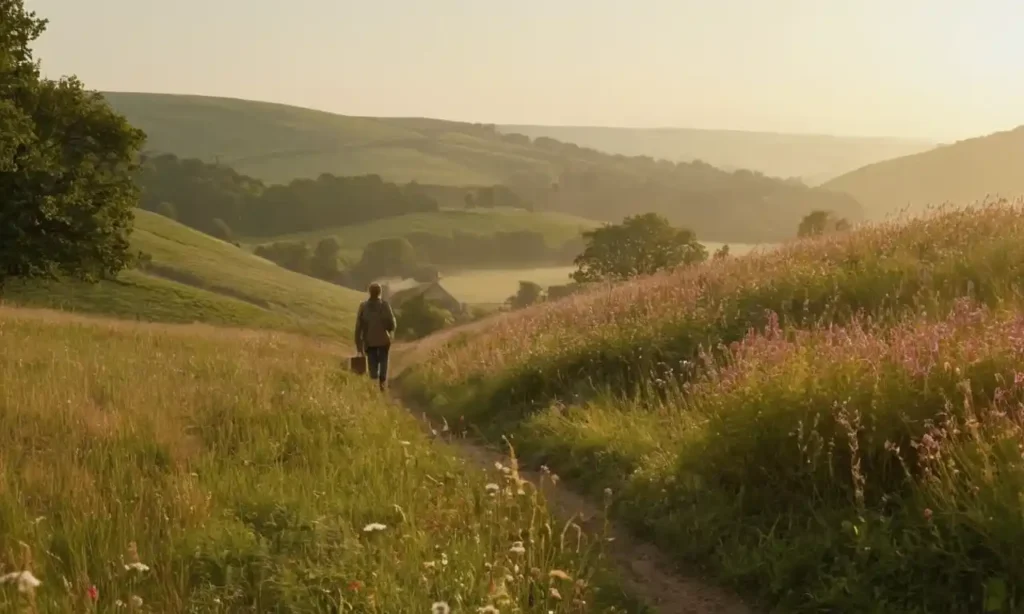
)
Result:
{"points": [[193, 277], [278, 144], [963, 172], [814, 158]]}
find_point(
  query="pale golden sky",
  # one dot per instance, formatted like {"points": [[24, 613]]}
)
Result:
{"points": [[942, 69]]}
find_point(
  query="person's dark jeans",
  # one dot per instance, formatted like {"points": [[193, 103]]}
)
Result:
{"points": [[377, 361]]}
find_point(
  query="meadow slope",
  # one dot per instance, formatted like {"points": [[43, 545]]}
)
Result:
{"points": [[193, 277], [832, 425], [963, 172], [189, 468]]}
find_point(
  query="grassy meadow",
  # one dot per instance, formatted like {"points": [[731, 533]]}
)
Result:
{"points": [[194, 277], [191, 468], [833, 425]]}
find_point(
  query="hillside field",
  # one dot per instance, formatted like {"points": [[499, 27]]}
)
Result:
{"points": [[833, 425], [194, 277], [557, 228], [194, 469], [972, 170]]}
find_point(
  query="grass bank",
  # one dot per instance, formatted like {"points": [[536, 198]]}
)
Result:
{"points": [[199, 469], [194, 277], [828, 426]]}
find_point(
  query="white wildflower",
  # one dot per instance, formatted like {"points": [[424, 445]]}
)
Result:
{"points": [[136, 601], [488, 609], [518, 548], [137, 566], [373, 526], [404, 442], [492, 488], [24, 579], [440, 607]]}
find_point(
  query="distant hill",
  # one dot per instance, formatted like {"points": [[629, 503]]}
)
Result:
{"points": [[961, 173], [277, 143], [811, 157], [195, 278]]}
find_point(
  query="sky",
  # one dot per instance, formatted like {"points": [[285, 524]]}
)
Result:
{"points": [[934, 69]]}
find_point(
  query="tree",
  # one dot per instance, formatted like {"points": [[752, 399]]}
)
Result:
{"points": [[324, 263], [417, 318], [722, 252], [66, 162], [819, 221], [386, 257], [640, 245], [528, 294]]}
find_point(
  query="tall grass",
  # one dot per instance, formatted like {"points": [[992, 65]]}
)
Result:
{"points": [[192, 469], [833, 426], [619, 337]]}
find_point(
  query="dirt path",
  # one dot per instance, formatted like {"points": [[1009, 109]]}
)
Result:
{"points": [[644, 570]]}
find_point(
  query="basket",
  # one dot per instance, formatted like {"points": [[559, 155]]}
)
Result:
{"points": [[357, 364]]}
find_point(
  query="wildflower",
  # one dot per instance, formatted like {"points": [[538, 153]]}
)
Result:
{"points": [[136, 564], [559, 574], [24, 579], [404, 442], [136, 601], [355, 585], [927, 513], [440, 607], [444, 560], [517, 548], [555, 594], [93, 593], [608, 492], [429, 564], [492, 488], [373, 526], [488, 609]]}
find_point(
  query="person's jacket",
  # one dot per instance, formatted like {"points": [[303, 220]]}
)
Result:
{"points": [[375, 324]]}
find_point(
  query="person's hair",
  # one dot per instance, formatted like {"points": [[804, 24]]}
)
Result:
{"points": [[375, 290]]}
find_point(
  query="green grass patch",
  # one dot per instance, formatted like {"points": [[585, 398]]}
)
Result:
{"points": [[163, 468], [194, 277]]}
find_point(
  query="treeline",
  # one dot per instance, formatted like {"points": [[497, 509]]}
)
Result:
{"points": [[727, 206], [740, 206], [418, 255], [218, 200]]}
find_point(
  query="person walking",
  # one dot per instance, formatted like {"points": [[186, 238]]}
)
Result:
{"points": [[375, 326]]}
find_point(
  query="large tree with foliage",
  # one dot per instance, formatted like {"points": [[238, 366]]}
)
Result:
{"points": [[640, 245], [819, 222], [66, 189]]}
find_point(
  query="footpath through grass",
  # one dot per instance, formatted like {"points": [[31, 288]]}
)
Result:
{"points": [[831, 426], [194, 469]]}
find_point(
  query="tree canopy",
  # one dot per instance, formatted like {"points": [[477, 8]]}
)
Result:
{"points": [[640, 245], [819, 222], [200, 193], [66, 189]]}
